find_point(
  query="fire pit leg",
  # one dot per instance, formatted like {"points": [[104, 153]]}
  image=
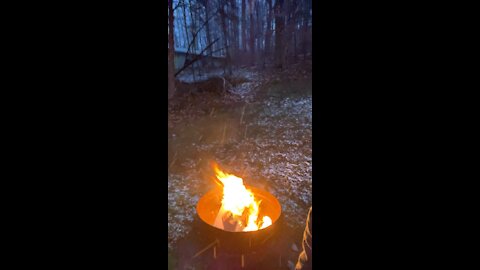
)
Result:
{"points": [[243, 261], [214, 243], [215, 252]]}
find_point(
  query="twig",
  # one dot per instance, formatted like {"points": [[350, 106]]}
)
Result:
{"points": [[174, 159], [218, 50], [195, 59], [243, 112]]}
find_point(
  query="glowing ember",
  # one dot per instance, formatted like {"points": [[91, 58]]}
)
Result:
{"points": [[239, 207]]}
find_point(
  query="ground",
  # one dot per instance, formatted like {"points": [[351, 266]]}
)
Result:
{"points": [[259, 127]]}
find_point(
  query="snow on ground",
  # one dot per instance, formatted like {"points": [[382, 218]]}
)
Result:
{"points": [[262, 134]]}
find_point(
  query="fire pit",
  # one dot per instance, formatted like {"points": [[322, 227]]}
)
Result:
{"points": [[241, 218]]}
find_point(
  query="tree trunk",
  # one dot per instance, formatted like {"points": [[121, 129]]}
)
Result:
{"points": [[185, 23], [244, 27], [252, 33], [193, 27], [268, 34], [207, 29], [289, 29], [171, 52], [306, 16], [225, 39], [258, 31], [279, 29], [294, 29], [235, 31]]}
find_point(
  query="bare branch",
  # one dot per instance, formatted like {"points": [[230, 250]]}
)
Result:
{"points": [[198, 31], [195, 59]]}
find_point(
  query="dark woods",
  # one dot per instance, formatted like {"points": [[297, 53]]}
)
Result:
{"points": [[205, 34]]}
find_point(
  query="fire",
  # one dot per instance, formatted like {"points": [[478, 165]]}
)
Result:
{"points": [[240, 203]]}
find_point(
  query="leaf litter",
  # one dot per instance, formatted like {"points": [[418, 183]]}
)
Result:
{"points": [[260, 130]]}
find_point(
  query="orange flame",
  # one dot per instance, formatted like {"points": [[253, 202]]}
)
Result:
{"points": [[237, 199]]}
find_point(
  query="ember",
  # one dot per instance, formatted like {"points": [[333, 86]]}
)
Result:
{"points": [[239, 210]]}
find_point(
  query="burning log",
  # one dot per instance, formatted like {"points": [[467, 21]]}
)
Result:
{"points": [[227, 221]]}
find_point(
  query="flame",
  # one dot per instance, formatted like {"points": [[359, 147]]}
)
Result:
{"points": [[238, 200], [267, 221]]}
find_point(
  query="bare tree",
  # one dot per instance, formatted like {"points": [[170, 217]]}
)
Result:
{"points": [[289, 9], [259, 36], [244, 27], [206, 4], [306, 16], [171, 51], [252, 31], [259, 30], [225, 37], [279, 29], [268, 33]]}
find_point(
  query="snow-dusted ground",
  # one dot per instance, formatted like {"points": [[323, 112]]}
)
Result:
{"points": [[262, 134]]}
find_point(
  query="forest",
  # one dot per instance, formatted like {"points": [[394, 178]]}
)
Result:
{"points": [[262, 33], [239, 96]]}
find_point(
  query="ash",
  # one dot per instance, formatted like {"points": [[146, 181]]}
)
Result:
{"points": [[260, 129]]}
